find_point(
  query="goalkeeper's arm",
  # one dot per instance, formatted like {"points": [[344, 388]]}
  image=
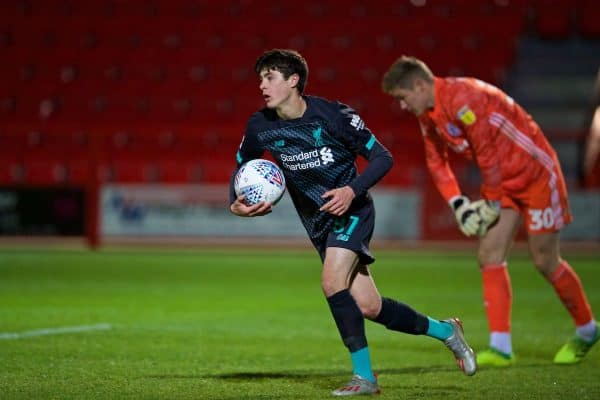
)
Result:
{"points": [[489, 212], [466, 216]]}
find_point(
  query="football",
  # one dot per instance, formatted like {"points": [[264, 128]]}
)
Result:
{"points": [[259, 180]]}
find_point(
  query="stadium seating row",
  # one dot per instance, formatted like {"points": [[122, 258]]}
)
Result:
{"points": [[551, 17], [77, 173], [71, 154], [86, 91], [142, 90], [40, 172], [255, 8], [141, 140], [82, 74], [51, 172]]}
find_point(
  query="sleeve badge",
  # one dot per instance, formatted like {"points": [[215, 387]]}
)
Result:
{"points": [[466, 115], [453, 130]]}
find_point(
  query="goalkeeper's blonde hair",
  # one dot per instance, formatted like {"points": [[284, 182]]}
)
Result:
{"points": [[403, 73]]}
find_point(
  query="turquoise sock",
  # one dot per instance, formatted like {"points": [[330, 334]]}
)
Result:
{"points": [[361, 364], [439, 329]]}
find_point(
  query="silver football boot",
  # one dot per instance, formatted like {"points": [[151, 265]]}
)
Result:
{"points": [[357, 386], [465, 356]]}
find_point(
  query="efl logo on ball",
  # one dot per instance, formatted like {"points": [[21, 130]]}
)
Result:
{"points": [[259, 180]]}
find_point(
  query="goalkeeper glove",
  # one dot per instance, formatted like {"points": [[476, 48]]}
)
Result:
{"points": [[488, 211], [467, 217]]}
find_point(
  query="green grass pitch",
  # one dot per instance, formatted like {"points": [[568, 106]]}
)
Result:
{"points": [[253, 324]]}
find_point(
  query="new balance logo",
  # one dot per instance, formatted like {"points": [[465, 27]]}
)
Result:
{"points": [[343, 237]]}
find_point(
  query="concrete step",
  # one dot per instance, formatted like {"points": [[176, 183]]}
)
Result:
{"points": [[553, 90], [558, 118], [569, 57]]}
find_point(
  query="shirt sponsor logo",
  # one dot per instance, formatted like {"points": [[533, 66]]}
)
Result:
{"points": [[279, 143], [453, 130], [326, 155], [466, 115], [308, 160], [300, 156]]}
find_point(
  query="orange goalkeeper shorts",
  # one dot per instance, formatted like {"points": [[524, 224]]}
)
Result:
{"points": [[544, 205]]}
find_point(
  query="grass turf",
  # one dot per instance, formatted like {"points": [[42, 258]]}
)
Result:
{"points": [[240, 324]]}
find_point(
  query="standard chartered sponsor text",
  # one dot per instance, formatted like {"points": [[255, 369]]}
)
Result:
{"points": [[290, 161]]}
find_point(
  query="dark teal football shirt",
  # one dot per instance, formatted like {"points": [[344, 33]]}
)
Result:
{"points": [[316, 152]]}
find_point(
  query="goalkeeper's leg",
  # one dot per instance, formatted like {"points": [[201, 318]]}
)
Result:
{"points": [[497, 290], [544, 249]]}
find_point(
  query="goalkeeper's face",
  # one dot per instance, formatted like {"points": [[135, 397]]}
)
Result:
{"points": [[415, 100]]}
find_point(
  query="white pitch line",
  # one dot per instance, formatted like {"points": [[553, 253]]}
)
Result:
{"points": [[54, 331]]}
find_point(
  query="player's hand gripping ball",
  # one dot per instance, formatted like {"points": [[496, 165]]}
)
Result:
{"points": [[259, 180]]}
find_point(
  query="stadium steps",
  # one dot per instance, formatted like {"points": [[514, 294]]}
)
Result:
{"points": [[553, 81]]}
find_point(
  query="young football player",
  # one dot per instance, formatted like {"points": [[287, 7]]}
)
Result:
{"points": [[316, 143], [521, 178]]}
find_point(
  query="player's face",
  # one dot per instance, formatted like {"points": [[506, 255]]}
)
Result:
{"points": [[275, 89], [415, 100]]}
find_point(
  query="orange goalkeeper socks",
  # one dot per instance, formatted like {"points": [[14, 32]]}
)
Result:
{"points": [[497, 296], [570, 291]]}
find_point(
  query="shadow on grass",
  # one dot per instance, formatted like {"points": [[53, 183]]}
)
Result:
{"points": [[299, 375], [325, 380], [302, 375], [308, 374]]}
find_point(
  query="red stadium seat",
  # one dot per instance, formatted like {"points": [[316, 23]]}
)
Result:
{"points": [[553, 18], [588, 14], [79, 172], [12, 170], [180, 171], [44, 170], [134, 171]]}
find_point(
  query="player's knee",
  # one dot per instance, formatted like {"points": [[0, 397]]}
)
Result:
{"points": [[545, 253], [369, 310], [545, 265], [486, 256], [331, 286]]}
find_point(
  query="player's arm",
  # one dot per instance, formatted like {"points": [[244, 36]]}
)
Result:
{"points": [[486, 155], [592, 147], [361, 140], [436, 156], [380, 162], [239, 208], [249, 149], [482, 139]]}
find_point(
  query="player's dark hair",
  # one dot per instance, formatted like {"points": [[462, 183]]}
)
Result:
{"points": [[403, 73], [286, 61]]}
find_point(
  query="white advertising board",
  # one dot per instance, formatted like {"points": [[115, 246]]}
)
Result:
{"points": [[202, 210]]}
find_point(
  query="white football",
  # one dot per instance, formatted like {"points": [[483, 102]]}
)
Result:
{"points": [[259, 180]]}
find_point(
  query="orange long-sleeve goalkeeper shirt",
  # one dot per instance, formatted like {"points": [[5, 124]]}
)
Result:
{"points": [[484, 124]]}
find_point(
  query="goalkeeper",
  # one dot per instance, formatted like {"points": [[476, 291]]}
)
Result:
{"points": [[521, 178]]}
